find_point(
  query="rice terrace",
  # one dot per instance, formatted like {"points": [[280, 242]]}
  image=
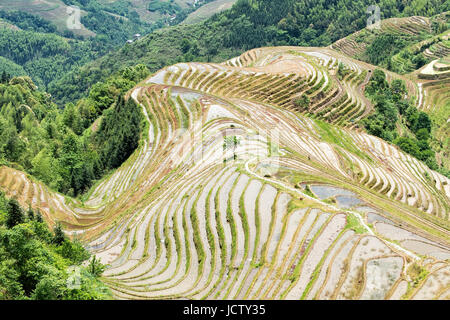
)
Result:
{"points": [[263, 177]]}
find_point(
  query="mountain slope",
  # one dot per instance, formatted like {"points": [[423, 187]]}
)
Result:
{"points": [[235, 194], [208, 10], [55, 11], [418, 48], [35, 34], [400, 44], [248, 24]]}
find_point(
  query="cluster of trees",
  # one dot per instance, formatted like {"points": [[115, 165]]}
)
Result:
{"points": [[164, 7], [383, 47], [5, 77], [303, 102], [62, 147], [36, 263], [394, 114], [27, 21], [116, 30], [119, 133], [119, 7], [22, 47], [11, 68], [44, 56]]}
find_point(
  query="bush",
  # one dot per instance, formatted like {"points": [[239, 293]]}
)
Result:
{"points": [[302, 102], [408, 145], [73, 251], [15, 214], [59, 236]]}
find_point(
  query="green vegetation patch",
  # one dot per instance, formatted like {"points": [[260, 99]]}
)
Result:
{"points": [[60, 147], [392, 111], [337, 136], [38, 264], [354, 224]]}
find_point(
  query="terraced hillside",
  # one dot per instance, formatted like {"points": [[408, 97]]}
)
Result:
{"points": [[234, 193], [356, 44], [400, 44], [433, 82], [418, 48]]}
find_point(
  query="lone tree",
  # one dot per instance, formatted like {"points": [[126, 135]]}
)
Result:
{"points": [[302, 102], [15, 214], [30, 214], [5, 77], [59, 236], [39, 216]]}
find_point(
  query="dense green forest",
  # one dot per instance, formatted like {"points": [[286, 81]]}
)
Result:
{"points": [[11, 68], [249, 24], [43, 56], [41, 264], [61, 147], [47, 54], [27, 21]]}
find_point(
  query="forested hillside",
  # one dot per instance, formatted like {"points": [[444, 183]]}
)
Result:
{"points": [[43, 56], [45, 53], [35, 38], [62, 148], [397, 120], [249, 24], [36, 263], [400, 45]]}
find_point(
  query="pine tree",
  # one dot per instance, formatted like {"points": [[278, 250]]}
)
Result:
{"points": [[96, 267], [39, 217], [30, 214], [119, 133], [4, 78], [15, 214]]}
